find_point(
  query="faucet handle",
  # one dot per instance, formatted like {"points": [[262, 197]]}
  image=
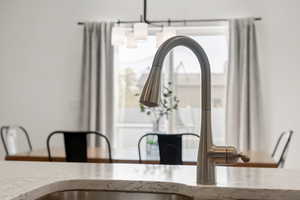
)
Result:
{"points": [[226, 154], [244, 158]]}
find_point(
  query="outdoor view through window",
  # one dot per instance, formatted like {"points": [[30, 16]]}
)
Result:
{"points": [[182, 70]]}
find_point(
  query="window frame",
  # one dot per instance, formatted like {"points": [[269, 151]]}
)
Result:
{"points": [[211, 29]]}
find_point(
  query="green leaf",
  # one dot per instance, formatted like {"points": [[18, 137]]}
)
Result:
{"points": [[142, 108]]}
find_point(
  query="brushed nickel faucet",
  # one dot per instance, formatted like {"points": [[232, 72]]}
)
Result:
{"points": [[208, 154]]}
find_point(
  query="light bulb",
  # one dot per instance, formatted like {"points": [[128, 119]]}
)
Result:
{"points": [[140, 31], [118, 36]]}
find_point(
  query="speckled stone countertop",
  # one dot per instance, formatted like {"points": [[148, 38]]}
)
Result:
{"points": [[30, 180]]}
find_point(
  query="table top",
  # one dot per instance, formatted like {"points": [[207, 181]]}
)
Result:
{"points": [[100, 155]]}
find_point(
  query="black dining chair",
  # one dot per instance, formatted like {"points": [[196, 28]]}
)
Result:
{"points": [[284, 142], [76, 145], [21, 132], [170, 147]]}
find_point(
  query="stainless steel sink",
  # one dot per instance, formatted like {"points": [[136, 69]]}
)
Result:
{"points": [[111, 195]]}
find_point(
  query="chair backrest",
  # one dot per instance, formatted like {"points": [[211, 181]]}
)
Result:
{"points": [[283, 142], [76, 145], [170, 147], [9, 142]]}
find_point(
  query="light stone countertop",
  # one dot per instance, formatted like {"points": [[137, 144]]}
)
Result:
{"points": [[30, 180]]}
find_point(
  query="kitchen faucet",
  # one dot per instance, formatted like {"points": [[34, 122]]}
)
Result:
{"points": [[208, 153]]}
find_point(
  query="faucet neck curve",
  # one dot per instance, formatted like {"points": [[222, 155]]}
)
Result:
{"points": [[191, 44]]}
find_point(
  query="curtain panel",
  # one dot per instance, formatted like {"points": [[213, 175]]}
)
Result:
{"points": [[243, 117], [97, 81]]}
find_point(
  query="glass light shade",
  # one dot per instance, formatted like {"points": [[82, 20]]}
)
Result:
{"points": [[118, 36], [166, 34], [140, 31], [131, 41], [169, 32], [159, 38]]}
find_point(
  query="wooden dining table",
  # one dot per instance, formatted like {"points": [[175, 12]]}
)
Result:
{"points": [[100, 155]]}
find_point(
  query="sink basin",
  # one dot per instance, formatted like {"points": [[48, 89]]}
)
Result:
{"points": [[111, 195]]}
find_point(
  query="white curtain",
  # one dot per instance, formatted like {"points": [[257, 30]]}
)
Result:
{"points": [[243, 90], [97, 86]]}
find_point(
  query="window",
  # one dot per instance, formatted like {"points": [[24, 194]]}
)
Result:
{"points": [[182, 69]]}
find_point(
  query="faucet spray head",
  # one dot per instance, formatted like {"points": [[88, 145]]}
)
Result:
{"points": [[151, 92]]}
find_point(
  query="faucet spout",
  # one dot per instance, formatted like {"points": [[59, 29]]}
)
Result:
{"points": [[151, 94]]}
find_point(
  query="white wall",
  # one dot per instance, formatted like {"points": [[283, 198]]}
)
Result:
{"points": [[280, 45], [40, 57]]}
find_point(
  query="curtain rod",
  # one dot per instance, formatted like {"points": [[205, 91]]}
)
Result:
{"points": [[174, 21]]}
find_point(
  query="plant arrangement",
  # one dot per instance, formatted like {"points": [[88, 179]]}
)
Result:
{"points": [[168, 103]]}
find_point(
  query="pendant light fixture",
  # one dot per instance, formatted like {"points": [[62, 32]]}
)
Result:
{"points": [[140, 28]]}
